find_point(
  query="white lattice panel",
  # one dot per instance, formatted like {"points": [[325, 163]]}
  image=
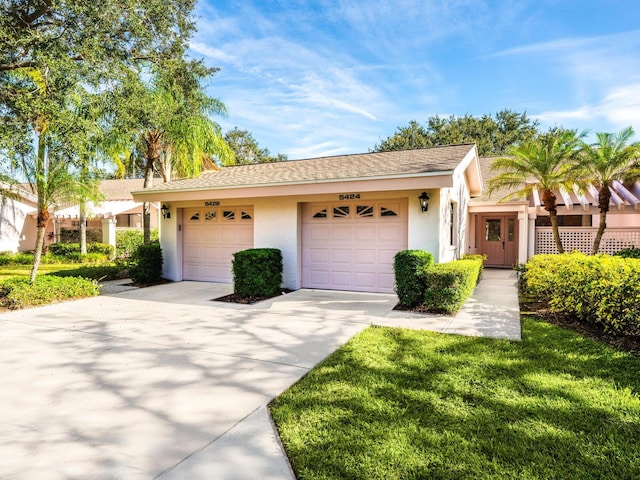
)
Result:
{"points": [[581, 239]]}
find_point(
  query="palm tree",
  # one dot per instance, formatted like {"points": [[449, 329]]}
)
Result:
{"points": [[167, 125], [546, 164], [611, 158]]}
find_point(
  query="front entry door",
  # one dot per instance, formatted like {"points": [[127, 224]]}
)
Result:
{"points": [[499, 240]]}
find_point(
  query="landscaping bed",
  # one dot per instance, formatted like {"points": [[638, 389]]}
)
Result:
{"points": [[250, 299]]}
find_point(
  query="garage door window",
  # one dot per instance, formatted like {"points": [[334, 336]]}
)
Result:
{"points": [[340, 212], [387, 212], [364, 210], [210, 215]]}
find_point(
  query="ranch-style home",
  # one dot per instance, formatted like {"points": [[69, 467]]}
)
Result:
{"points": [[340, 220], [117, 211]]}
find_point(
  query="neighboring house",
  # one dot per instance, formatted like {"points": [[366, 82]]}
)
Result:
{"points": [[338, 221], [511, 232], [117, 211], [17, 219]]}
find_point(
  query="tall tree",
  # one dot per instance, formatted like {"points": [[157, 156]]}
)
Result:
{"points": [[246, 149], [545, 164], [163, 123], [611, 158], [494, 135], [51, 50]]}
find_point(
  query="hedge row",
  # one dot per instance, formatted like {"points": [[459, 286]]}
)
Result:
{"points": [[17, 293], [441, 288], [597, 289], [448, 285]]}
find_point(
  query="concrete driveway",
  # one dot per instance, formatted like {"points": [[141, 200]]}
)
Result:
{"points": [[145, 383]]}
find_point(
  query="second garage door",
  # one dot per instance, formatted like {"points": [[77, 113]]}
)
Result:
{"points": [[210, 238], [351, 245]]}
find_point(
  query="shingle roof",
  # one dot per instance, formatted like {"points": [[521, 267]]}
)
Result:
{"points": [[487, 175], [326, 169], [120, 189]]}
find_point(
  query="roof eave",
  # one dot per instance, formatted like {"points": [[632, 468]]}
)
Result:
{"points": [[154, 192]]}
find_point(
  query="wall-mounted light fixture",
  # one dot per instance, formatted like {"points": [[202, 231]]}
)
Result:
{"points": [[165, 212], [424, 201]]}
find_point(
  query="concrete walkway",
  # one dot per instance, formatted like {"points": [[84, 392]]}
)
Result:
{"points": [[164, 383]]}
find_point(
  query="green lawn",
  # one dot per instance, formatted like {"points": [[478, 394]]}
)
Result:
{"points": [[401, 404], [95, 272]]}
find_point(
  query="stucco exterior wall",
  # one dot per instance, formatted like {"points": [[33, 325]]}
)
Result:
{"points": [[277, 225], [12, 222], [424, 227], [170, 233]]}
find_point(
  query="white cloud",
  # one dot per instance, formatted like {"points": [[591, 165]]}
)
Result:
{"points": [[620, 107]]}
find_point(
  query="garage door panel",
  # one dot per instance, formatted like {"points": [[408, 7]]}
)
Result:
{"points": [[341, 256], [318, 232], [389, 233], [357, 248], [364, 280], [319, 277], [365, 256], [365, 233], [341, 279], [342, 233]]}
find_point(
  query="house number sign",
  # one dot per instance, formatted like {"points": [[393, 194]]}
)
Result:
{"points": [[211, 204], [349, 196]]}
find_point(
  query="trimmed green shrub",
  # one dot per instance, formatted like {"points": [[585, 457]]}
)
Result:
{"points": [[127, 241], [409, 267], [93, 272], [631, 252], [599, 289], [448, 285], [18, 293], [72, 250], [257, 272], [146, 265]]}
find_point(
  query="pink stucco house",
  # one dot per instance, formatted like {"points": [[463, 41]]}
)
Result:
{"points": [[340, 220]]}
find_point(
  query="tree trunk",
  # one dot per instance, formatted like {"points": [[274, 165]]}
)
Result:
{"points": [[604, 196], [152, 157], [549, 201], [43, 212], [43, 219], [83, 228]]}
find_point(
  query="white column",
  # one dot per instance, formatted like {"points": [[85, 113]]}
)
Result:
{"points": [[109, 231], [531, 247], [523, 237]]}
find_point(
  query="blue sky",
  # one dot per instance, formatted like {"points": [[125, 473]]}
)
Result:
{"points": [[327, 77]]}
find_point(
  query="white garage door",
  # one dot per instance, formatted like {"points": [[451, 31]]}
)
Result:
{"points": [[210, 237], [351, 245]]}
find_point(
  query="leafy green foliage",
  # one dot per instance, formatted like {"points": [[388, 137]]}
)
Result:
{"points": [[594, 289], [93, 272], [631, 252], [65, 249], [493, 135], [246, 148], [127, 242], [257, 272], [448, 285], [612, 158], [18, 293], [409, 267], [402, 404], [147, 264], [547, 164]]}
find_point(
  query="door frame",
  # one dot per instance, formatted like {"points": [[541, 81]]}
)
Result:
{"points": [[509, 233]]}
